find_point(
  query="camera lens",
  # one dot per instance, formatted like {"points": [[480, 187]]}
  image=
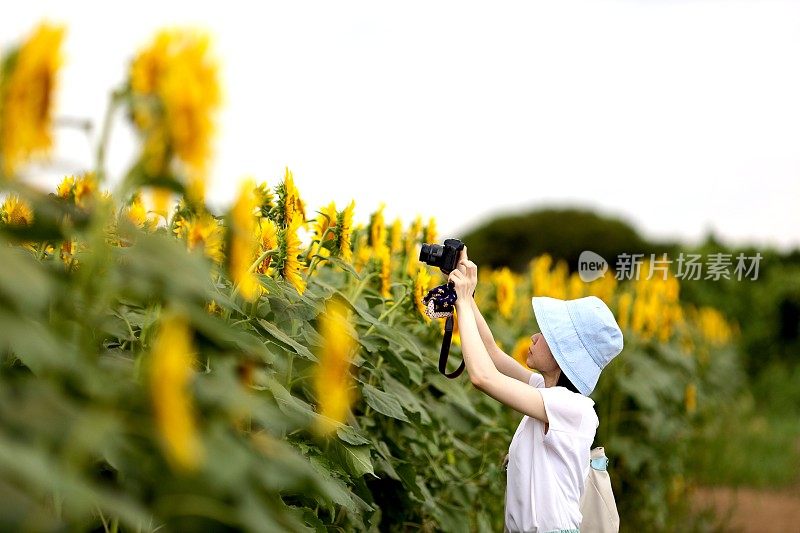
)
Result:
{"points": [[425, 253], [431, 254]]}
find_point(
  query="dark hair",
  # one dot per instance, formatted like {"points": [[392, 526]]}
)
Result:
{"points": [[563, 381]]}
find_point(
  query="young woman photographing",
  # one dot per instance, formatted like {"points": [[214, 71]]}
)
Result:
{"points": [[550, 451]]}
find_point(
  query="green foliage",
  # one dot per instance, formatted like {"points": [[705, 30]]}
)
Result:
{"points": [[647, 428], [80, 447], [766, 309]]}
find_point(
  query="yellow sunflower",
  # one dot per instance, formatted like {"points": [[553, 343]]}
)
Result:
{"points": [[202, 230], [431, 234], [505, 285], [363, 251], [377, 228], [16, 212], [84, 189], [397, 236], [411, 241], [264, 198], [384, 257], [333, 383], [244, 242], [422, 284], [81, 189], [64, 189], [268, 236], [137, 213], [520, 352], [170, 378], [291, 247], [343, 233], [27, 86], [175, 95], [325, 219], [290, 205]]}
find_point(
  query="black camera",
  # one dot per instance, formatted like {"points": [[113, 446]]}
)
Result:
{"points": [[443, 256]]}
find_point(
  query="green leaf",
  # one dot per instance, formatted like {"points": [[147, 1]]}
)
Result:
{"points": [[274, 289], [33, 343], [386, 460], [344, 266], [373, 343], [290, 405], [365, 315], [458, 397], [451, 518], [351, 436], [228, 337], [465, 448], [311, 336], [409, 477], [285, 310], [285, 340], [333, 488], [23, 284], [384, 403], [409, 399], [355, 459], [411, 370], [414, 372], [399, 337]]}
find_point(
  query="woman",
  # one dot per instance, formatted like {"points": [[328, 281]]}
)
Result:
{"points": [[549, 454]]}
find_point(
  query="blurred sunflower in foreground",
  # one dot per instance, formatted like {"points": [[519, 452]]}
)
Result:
{"points": [[333, 382], [174, 93], [171, 373], [244, 241], [28, 77]]}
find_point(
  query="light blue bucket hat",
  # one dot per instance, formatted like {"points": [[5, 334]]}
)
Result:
{"points": [[582, 334]]}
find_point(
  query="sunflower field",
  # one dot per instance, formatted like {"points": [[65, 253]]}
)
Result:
{"points": [[270, 368]]}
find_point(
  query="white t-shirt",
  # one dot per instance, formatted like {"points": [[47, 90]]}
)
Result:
{"points": [[546, 472]]}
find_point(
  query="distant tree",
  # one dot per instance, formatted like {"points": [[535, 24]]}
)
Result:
{"points": [[563, 233]]}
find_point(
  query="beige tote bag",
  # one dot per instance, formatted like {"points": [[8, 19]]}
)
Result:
{"points": [[598, 506]]}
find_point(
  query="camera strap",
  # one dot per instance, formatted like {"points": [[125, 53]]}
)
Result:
{"points": [[439, 304], [445, 353]]}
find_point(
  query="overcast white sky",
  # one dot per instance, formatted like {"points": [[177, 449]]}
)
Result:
{"points": [[679, 116]]}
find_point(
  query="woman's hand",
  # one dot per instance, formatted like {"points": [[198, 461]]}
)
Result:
{"points": [[464, 277]]}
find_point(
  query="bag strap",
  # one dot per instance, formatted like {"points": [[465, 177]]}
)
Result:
{"points": [[598, 460]]}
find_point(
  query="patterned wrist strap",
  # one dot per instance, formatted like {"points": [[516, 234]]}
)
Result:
{"points": [[440, 300], [439, 304]]}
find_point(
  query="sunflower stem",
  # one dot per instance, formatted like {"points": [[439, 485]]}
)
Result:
{"points": [[361, 285], [251, 268], [319, 241], [105, 135], [388, 312], [317, 258], [314, 262], [261, 257]]}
